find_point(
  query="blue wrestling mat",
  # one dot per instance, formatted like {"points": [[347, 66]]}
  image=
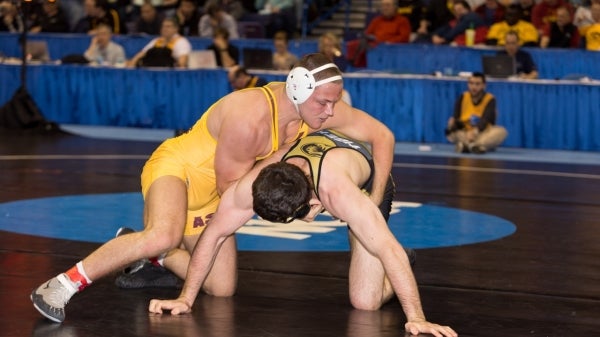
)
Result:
{"points": [[95, 218]]}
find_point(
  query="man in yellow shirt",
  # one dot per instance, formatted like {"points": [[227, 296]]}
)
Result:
{"points": [[472, 126], [528, 34], [592, 32]]}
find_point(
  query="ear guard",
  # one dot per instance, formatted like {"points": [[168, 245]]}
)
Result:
{"points": [[300, 83]]}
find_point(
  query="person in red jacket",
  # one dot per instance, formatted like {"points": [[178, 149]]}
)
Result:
{"points": [[387, 27]]}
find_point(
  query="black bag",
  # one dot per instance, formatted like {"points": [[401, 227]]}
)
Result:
{"points": [[157, 57], [21, 112]]}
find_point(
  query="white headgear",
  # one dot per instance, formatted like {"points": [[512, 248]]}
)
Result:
{"points": [[300, 83]]}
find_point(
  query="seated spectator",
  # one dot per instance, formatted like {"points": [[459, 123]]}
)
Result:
{"points": [[51, 20], [472, 126], [465, 19], [387, 27], [561, 33], [150, 20], [103, 51], [592, 32], [330, 46], [527, 33], [491, 12], [188, 17], [413, 10], [10, 20], [281, 13], [583, 14], [98, 11], [235, 8], [436, 14], [168, 50], [239, 78], [214, 18], [283, 59], [526, 7], [544, 12], [226, 54], [163, 7], [525, 67]]}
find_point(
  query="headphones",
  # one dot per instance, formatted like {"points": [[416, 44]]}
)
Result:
{"points": [[301, 83]]}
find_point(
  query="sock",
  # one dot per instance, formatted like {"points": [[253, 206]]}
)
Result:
{"points": [[158, 261], [78, 277]]}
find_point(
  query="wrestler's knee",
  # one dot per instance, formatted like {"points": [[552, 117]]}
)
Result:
{"points": [[363, 301], [156, 241]]}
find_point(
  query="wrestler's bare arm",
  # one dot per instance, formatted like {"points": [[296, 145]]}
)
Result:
{"points": [[361, 126], [241, 124]]}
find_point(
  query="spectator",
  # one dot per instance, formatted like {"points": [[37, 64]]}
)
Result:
{"points": [[281, 13], [491, 12], [51, 20], [561, 33], [214, 18], [472, 126], [235, 8], [527, 33], [10, 20], [436, 14], [226, 54], [150, 20], [592, 32], [239, 78], [525, 67], [103, 51], [330, 46], [544, 12], [283, 59], [188, 17], [413, 10], [583, 14], [465, 19], [98, 11], [168, 50], [526, 7], [387, 27]]}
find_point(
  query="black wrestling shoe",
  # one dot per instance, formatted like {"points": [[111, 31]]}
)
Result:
{"points": [[149, 276]]}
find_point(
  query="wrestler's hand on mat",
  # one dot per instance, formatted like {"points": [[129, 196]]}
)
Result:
{"points": [[177, 306], [417, 327]]}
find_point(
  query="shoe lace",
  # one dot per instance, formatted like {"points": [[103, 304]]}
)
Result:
{"points": [[59, 296]]}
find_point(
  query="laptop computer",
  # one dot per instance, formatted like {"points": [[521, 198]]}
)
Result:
{"points": [[37, 51], [257, 58], [498, 66], [202, 59]]}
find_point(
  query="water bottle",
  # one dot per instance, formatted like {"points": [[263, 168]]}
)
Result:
{"points": [[470, 36]]}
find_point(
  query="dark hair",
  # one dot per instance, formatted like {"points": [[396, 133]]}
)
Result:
{"points": [[315, 60], [279, 190], [220, 31], [479, 75], [240, 71], [464, 4]]}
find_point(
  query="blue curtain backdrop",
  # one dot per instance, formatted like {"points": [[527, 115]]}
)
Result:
{"points": [[537, 114]]}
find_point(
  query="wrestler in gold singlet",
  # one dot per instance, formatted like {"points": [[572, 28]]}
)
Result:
{"points": [[190, 157]]}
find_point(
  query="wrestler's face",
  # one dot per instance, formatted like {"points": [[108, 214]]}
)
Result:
{"points": [[319, 106]]}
